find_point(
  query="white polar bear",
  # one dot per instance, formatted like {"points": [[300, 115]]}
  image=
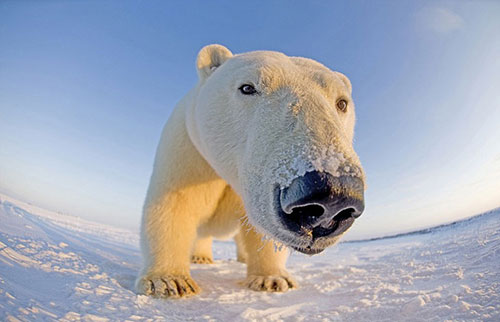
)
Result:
{"points": [[261, 147]]}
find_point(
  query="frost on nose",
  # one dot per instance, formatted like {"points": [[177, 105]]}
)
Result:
{"points": [[297, 161]]}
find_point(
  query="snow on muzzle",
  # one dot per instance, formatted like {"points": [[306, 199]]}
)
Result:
{"points": [[319, 204]]}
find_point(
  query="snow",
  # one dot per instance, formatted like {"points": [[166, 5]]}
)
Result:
{"points": [[61, 267]]}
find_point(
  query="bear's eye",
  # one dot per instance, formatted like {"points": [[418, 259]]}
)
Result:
{"points": [[247, 89], [342, 105]]}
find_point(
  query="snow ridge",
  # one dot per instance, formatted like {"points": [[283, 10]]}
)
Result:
{"points": [[435, 229]]}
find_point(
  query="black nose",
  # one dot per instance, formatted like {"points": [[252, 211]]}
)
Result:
{"points": [[319, 204]]}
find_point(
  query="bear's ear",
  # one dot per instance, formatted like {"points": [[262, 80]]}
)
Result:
{"points": [[345, 80], [209, 58]]}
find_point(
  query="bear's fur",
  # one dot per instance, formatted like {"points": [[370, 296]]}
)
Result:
{"points": [[222, 152]]}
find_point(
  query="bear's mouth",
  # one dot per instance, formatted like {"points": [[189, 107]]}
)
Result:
{"points": [[308, 250]]}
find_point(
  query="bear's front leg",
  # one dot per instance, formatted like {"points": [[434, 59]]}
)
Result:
{"points": [[265, 264], [167, 238], [183, 191]]}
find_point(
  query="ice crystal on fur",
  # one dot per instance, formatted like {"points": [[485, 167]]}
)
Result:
{"points": [[299, 160]]}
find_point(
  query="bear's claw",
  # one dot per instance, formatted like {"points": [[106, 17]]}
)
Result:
{"points": [[168, 286], [270, 283], [201, 260]]}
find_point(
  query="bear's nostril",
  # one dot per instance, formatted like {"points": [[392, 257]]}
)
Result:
{"points": [[345, 214], [306, 215], [341, 216]]}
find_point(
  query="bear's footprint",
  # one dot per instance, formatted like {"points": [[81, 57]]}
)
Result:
{"points": [[270, 283], [168, 286], [201, 260]]}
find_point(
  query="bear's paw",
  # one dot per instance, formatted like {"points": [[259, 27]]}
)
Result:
{"points": [[167, 286], [201, 260], [270, 283]]}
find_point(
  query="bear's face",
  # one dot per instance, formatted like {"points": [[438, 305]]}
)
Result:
{"points": [[279, 130]]}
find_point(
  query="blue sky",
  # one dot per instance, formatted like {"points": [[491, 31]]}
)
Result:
{"points": [[85, 88]]}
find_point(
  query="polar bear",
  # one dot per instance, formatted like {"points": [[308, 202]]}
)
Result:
{"points": [[261, 148]]}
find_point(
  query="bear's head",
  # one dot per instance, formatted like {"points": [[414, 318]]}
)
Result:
{"points": [[279, 130]]}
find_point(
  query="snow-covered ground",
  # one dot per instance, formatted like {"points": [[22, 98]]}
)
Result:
{"points": [[61, 267]]}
